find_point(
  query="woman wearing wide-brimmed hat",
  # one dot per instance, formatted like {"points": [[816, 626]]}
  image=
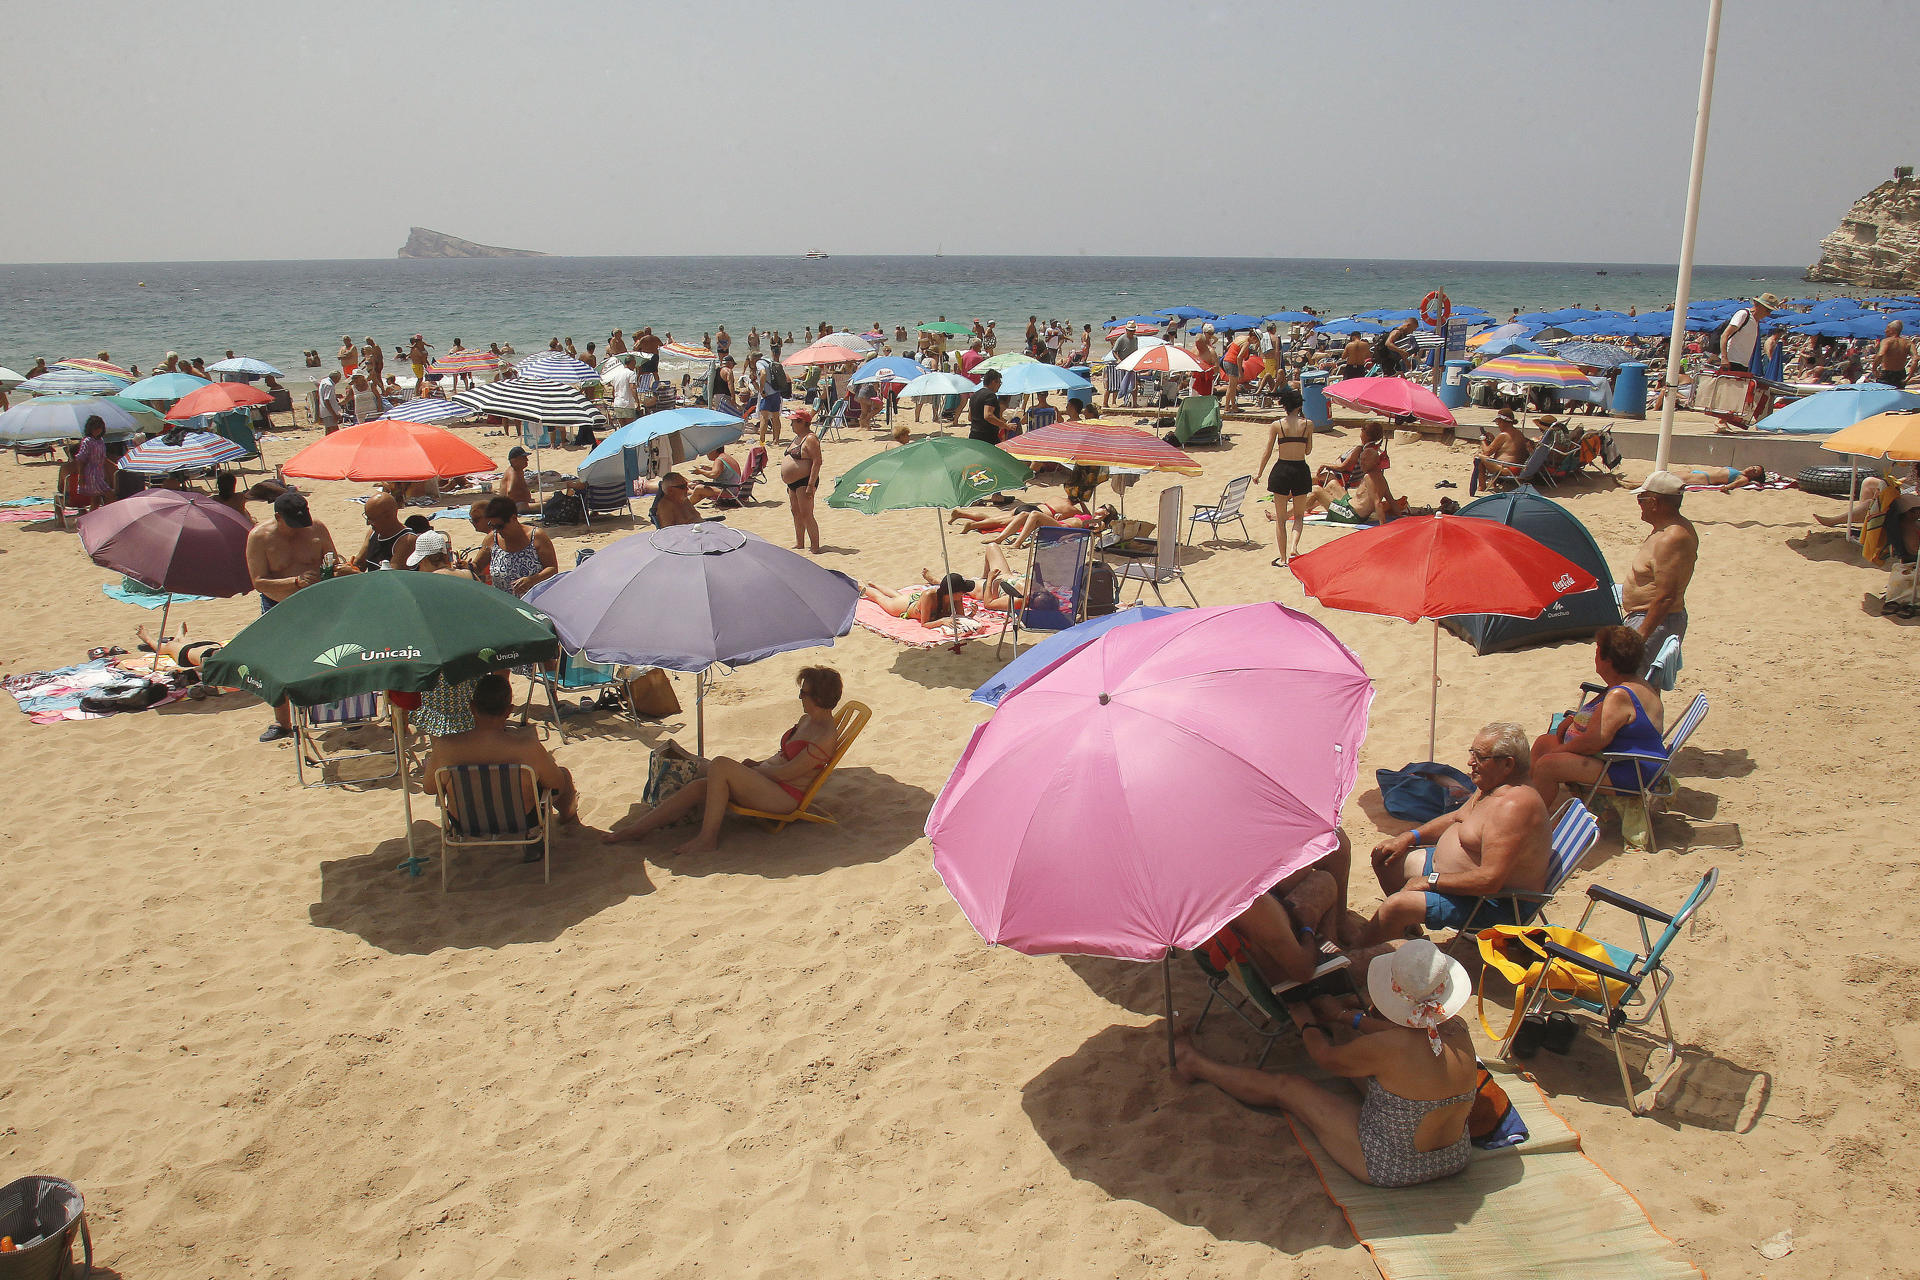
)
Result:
{"points": [[1412, 1058]]}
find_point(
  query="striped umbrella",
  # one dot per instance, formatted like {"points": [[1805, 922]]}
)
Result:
{"points": [[464, 361], [1162, 359], [62, 381], [686, 351], [97, 366], [196, 451], [1099, 444], [427, 409], [556, 366], [555, 404], [1533, 371]]}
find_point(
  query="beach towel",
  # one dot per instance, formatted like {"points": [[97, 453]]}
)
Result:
{"points": [[1773, 482], [47, 697], [979, 624], [1542, 1208], [27, 502], [130, 592], [23, 517]]}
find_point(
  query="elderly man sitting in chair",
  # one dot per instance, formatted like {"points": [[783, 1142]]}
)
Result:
{"points": [[1498, 840], [491, 742]]}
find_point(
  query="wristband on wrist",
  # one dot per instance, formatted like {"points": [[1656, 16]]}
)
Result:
{"points": [[1415, 833], [1358, 1014]]}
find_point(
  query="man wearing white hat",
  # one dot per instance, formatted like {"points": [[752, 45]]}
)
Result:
{"points": [[1653, 595], [1413, 1053]]}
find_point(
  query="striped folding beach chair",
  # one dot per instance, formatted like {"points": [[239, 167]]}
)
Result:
{"points": [[498, 805], [313, 726]]}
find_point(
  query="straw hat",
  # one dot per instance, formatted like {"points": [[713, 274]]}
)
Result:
{"points": [[1418, 986]]}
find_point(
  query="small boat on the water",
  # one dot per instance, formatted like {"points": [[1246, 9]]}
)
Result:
{"points": [[816, 253]]}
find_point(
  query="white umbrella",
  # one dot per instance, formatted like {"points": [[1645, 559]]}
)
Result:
{"points": [[1166, 359], [846, 341], [939, 384], [9, 379]]}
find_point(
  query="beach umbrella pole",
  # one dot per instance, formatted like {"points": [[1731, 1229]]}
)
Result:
{"points": [[165, 609], [1166, 986], [413, 860], [946, 570], [1433, 704], [700, 714]]}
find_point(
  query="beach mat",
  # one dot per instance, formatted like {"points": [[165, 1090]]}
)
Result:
{"points": [[129, 592], [26, 515], [1543, 1208], [981, 624]]}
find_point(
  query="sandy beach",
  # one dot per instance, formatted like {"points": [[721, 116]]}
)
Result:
{"points": [[262, 1052]]}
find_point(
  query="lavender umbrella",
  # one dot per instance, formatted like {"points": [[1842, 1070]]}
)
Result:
{"points": [[691, 597], [173, 542]]}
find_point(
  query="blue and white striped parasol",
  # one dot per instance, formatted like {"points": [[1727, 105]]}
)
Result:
{"points": [[556, 367], [428, 409], [74, 382], [196, 451]]}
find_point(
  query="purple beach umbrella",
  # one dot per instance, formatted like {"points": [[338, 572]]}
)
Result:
{"points": [[179, 543]]}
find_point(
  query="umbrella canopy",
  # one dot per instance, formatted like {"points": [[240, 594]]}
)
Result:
{"points": [[1433, 566], [1352, 325], [888, 369], [1894, 435], [428, 409], [1532, 370], [1122, 802], [62, 381], [1100, 444], [383, 451], [1393, 397], [1593, 355], [940, 384], [556, 366], [947, 326], [1507, 347], [555, 404], [691, 351], [1840, 407], [465, 361], [365, 632], [702, 430], [241, 364], [96, 366], [1234, 322], [856, 343], [1025, 379], [1059, 645], [1186, 313], [822, 353], [1133, 326], [164, 387], [1005, 360], [1503, 333], [940, 471], [187, 543], [1165, 358], [693, 595], [63, 418], [1294, 317], [217, 397], [196, 451], [9, 379]]}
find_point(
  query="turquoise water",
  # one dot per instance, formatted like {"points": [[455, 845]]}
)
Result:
{"points": [[274, 310]]}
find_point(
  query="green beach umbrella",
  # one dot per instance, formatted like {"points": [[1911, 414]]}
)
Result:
{"points": [[368, 632], [1005, 360], [947, 326], [938, 472]]}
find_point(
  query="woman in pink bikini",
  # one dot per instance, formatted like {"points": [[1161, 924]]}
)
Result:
{"points": [[773, 785]]}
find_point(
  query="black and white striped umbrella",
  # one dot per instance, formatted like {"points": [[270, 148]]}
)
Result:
{"points": [[554, 404]]}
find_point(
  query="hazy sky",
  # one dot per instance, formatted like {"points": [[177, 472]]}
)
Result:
{"points": [[1544, 131]]}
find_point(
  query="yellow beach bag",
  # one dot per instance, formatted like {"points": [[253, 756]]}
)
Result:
{"points": [[1514, 951]]}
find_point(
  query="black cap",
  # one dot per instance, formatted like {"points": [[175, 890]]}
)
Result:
{"points": [[516, 452], [292, 508]]}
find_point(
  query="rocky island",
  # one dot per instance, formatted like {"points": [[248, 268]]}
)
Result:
{"points": [[1877, 244], [422, 243]]}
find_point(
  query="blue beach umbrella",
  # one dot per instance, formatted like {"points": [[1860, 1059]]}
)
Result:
{"points": [[1234, 321], [1353, 324], [1294, 317], [703, 430], [1057, 646], [164, 387], [1152, 320], [888, 369], [1507, 347], [1838, 408], [1187, 313], [1593, 355], [1389, 317], [1025, 379], [557, 366]]}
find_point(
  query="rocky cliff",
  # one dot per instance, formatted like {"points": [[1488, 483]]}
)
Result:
{"points": [[1877, 245], [422, 243]]}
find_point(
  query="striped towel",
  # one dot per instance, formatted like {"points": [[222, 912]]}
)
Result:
{"points": [[980, 624]]}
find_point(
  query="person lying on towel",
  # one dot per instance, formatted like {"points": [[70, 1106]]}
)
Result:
{"points": [[940, 598]]}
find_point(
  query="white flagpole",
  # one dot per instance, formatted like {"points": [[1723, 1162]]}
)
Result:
{"points": [[1683, 287]]}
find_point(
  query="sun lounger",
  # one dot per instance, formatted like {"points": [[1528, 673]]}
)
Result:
{"points": [[848, 721]]}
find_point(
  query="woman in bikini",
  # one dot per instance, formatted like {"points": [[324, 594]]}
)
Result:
{"points": [[189, 655], [1290, 481], [1411, 1057], [941, 598], [800, 472], [773, 785]]}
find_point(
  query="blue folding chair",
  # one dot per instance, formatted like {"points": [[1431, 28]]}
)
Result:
{"points": [[1056, 584], [1575, 832], [311, 726], [1643, 975], [1653, 775]]}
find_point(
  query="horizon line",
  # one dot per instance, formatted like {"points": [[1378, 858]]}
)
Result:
{"points": [[615, 257]]}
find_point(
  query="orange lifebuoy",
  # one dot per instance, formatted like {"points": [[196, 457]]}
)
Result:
{"points": [[1437, 316]]}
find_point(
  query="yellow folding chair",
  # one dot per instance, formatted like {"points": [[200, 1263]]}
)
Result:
{"points": [[847, 724]]}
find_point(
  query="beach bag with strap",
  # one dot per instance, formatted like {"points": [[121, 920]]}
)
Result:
{"points": [[1514, 951], [670, 768], [563, 508]]}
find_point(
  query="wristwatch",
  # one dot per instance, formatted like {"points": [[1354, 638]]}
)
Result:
{"points": [[1433, 879]]}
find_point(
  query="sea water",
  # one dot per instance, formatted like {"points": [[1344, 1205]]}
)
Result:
{"points": [[273, 311]]}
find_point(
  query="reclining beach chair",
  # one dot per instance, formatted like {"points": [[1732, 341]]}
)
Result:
{"points": [[1197, 421], [1225, 511], [740, 492], [577, 675], [605, 499], [847, 724], [1056, 596], [1574, 832], [311, 725], [499, 805], [1654, 776], [1165, 569], [1643, 973], [1233, 980]]}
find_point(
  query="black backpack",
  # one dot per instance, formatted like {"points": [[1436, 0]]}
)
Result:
{"points": [[563, 508]]}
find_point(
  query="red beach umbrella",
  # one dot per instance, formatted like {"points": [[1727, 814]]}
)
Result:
{"points": [[1437, 566], [217, 397], [1392, 397], [386, 450]]}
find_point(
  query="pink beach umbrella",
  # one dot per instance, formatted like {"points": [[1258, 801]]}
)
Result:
{"points": [[1392, 397], [1140, 793]]}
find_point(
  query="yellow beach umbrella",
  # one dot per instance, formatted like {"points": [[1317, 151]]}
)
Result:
{"points": [[1896, 435]]}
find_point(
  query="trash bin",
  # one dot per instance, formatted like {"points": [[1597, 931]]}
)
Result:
{"points": [[1313, 397], [1453, 383], [1630, 391]]}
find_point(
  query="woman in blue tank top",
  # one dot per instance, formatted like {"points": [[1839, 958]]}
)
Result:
{"points": [[1627, 717]]}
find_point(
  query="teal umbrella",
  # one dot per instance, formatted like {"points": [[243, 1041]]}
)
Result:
{"points": [[388, 630], [948, 327], [938, 472], [164, 388]]}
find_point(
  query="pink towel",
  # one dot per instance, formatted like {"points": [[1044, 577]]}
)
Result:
{"points": [[979, 624]]}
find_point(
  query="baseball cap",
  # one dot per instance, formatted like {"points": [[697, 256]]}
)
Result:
{"points": [[431, 543], [292, 507], [516, 452], [1664, 483]]}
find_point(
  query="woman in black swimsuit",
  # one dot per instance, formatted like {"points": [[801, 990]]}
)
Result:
{"points": [[1290, 481], [187, 654], [800, 472]]}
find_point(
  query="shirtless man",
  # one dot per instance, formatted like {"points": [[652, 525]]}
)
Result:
{"points": [[283, 557], [419, 357], [1501, 453], [1355, 357], [490, 742], [375, 361], [513, 481], [674, 505], [1497, 840], [1653, 596], [1891, 357], [349, 356], [1284, 927]]}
